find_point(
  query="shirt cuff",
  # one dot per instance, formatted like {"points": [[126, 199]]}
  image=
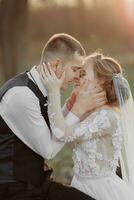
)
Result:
{"points": [[65, 111], [71, 119]]}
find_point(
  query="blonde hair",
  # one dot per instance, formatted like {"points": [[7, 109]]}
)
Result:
{"points": [[62, 46], [105, 68]]}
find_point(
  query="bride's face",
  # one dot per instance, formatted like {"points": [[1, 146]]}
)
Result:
{"points": [[89, 71]]}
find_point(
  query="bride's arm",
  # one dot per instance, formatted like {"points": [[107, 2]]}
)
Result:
{"points": [[59, 124], [65, 110], [97, 124]]}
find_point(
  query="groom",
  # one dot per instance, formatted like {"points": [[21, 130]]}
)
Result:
{"points": [[25, 135]]}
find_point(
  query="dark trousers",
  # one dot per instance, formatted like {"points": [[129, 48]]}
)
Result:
{"points": [[49, 191]]}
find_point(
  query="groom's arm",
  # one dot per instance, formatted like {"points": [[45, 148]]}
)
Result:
{"points": [[21, 111]]}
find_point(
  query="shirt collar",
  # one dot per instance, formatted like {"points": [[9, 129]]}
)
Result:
{"points": [[37, 80]]}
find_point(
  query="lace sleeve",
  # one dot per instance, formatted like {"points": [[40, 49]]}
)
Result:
{"points": [[99, 123]]}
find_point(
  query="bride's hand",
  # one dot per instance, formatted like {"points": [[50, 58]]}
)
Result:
{"points": [[89, 97], [49, 78]]}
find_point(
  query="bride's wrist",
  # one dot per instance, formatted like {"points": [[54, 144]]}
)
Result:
{"points": [[77, 110]]}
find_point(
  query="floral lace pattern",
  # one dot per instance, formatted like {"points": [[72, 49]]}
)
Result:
{"points": [[88, 161], [97, 141], [116, 142]]}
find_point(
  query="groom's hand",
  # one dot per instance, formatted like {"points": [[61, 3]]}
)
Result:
{"points": [[49, 78], [88, 98]]}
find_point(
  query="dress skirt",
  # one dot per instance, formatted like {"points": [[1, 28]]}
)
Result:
{"points": [[103, 188]]}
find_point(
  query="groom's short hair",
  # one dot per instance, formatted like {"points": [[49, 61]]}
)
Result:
{"points": [[61, 46]]}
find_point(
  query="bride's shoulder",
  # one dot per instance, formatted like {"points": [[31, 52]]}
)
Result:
{"points": [[108, 112]]}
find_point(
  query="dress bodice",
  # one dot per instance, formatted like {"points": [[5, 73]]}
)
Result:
{"points": [[97, 142], [98, 152]]}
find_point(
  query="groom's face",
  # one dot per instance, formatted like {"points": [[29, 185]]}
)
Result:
{"points": [[72, 71]]}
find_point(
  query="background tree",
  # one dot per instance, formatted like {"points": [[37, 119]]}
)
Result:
{"points": [[13, 35]]}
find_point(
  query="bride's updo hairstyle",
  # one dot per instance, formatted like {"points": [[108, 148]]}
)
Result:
{"points": [[105, 69]]}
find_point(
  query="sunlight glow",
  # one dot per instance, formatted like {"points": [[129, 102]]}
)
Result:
{"points": [[38, 3], [130, 8]]}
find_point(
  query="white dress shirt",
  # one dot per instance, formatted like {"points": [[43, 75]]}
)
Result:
{"points": [[20, 109]]}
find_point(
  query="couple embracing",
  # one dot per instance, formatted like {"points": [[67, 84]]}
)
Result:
{"points": [[97, 119]]}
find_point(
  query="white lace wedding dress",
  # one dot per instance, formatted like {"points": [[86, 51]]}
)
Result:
{"points": [[97, 147]]}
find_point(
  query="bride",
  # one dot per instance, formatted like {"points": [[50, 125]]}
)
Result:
{"points": [[101, 138]]}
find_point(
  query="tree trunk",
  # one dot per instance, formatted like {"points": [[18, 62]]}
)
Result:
{"points": [[13, 33]]}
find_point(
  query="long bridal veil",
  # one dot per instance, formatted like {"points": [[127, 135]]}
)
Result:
{"points": [[126, 102]]}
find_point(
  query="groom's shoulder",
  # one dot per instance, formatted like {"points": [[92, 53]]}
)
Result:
{"points": [[19, 94]]}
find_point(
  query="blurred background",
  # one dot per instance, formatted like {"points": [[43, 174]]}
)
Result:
{"points": [[26, 25]]}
